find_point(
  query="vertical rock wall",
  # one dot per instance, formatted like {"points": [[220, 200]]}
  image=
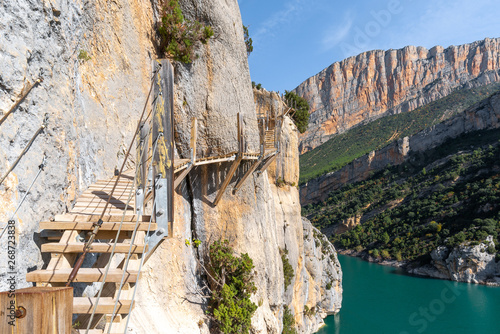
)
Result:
{"points": [[94, 58]]}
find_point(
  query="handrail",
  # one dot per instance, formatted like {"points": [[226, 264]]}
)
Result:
{"points": [[108, 266], [4, 117], [97, 225], [127, 257], [42, 127], [40, 169]]}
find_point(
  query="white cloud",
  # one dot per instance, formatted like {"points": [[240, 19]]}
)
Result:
{"points": [[336, 34], [282, 17]]}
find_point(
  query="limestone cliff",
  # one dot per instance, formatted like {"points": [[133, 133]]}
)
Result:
{"points": [[482, 116], [95, 60], [91, 105], [377, 83]]}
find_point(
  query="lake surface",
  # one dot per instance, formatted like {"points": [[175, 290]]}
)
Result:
{"points": [[379, 299]]}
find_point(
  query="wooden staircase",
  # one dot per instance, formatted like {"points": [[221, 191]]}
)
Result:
{"points": [[67, 233]]}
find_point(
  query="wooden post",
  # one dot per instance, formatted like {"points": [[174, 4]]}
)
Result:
{"points": [[194, 133], [236, 162], [46, 310]]}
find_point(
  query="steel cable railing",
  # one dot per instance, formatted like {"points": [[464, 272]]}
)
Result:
{"points": [[127, 258], [40, 169], [97, 225], [108, 266]]}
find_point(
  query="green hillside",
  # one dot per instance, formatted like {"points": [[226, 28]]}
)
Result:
{"points": [[344, 148], [444, 196]]}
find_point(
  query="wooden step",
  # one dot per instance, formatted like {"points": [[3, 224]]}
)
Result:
{"points": [[97, 211], [93, 218], [97, 247], [84, 275], [85, 305], [87, 226]]}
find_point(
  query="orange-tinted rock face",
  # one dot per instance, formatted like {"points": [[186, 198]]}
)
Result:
{"points": [[378, 83]]}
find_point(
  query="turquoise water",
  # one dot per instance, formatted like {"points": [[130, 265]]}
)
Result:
{"points": [[379, 299]]}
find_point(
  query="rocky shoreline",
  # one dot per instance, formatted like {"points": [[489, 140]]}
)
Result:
{"points": [[465, 263]]}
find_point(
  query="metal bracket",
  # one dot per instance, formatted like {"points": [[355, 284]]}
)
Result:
{"points": [[139, 202], [160, 214]]}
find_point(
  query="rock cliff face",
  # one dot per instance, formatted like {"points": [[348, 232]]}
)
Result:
{"points": [[485, 115], [93, 109], [464, 263], [91, 106], [377, 83]]}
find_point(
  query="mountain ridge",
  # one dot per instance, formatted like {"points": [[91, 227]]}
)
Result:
{"points": [[378, 83]]}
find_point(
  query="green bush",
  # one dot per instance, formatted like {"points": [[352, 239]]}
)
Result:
{"points": [[83, 55], [426, 215], [301, 115], [230, 303], [288, 321], [287, 268], [179, 36], [248, 40]]}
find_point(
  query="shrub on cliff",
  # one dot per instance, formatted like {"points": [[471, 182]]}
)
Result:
{"points": [[248, 40], [178, 36], [232, 284], [287, 268], [288, 321], [301, 115]]}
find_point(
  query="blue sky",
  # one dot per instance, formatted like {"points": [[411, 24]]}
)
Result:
{"points": [[295, 39]]}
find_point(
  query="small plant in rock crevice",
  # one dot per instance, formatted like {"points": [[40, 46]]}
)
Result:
{"points": [[178, 36], [288, 271]]}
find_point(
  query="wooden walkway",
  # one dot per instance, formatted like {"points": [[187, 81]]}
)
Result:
{"points": [[139, 233]]}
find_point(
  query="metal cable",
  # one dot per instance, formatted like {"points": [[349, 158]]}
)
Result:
{"points": [[4, 117], [98, 224], [138, 274], [44, 124], [108, 266], [40, 169], [125, 267]]}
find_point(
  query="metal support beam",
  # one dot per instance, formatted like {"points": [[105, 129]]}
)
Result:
{"points": [[163, 159], [234, 166]]}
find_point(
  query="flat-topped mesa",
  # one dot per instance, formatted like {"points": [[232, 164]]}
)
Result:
{"points": [[378, 83]]}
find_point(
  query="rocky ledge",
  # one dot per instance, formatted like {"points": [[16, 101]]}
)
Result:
{"points": [[464, 263]]}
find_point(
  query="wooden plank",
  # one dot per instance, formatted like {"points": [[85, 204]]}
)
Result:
{"points": [[182, 176], [85, 305], [48, 310], [201, 162], [94, 218], [194, 137], [267, 163], [87, 226], [119, 206], [97, 247], [84, 275], [97, 211]]}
